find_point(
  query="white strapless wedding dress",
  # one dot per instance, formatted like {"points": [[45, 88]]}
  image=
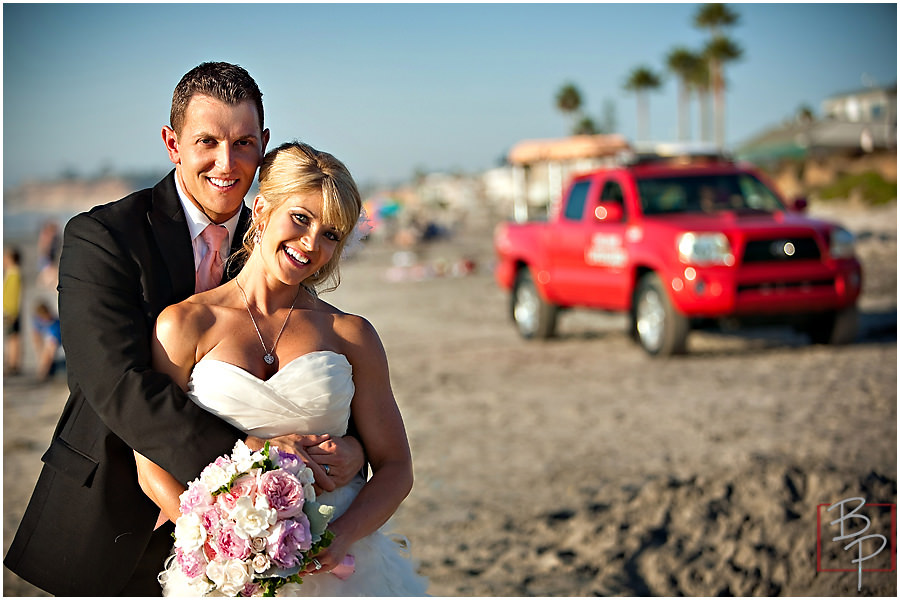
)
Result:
{"points": [[310, 394]]}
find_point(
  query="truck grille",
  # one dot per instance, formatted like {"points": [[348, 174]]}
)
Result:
{"points": [[787, 286], [781, 249]]}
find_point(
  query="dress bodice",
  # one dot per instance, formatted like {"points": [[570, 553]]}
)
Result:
{"points": [[310, 394]]}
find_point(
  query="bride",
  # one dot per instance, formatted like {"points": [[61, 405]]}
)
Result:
{"points": [[265, 353]]}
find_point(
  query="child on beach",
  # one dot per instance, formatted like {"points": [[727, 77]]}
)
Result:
{"points": [[47, 340], [12, 304]]}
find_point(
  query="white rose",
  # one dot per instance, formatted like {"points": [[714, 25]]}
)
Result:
{"points": [[189, 532], [258, 544], [243, 457], [252, 520], [215, 476], [309, 492], [306, 476], [230, 576], [261, 562]]}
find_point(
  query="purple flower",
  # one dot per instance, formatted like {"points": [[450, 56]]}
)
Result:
{"points": [[288, 539], [289, 462], [283, 491], [251, 589]]}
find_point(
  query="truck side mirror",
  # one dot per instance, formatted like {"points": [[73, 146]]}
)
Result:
{"points": [[609, 212], [800, 204]]}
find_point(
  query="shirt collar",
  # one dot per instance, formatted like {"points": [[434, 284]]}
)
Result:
{"points": [[197, 221]]}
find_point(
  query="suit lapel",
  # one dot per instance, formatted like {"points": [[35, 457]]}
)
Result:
{"points": [[173, 238]]}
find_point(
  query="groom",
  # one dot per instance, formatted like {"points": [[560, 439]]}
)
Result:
{"points": [[89, 529]]}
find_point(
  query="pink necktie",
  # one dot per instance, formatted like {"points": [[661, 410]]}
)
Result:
{"points": [[209, 273]]}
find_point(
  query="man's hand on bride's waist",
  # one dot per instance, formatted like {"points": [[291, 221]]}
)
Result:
{"points": [[297, 444], [334, 461], [341, 458]]}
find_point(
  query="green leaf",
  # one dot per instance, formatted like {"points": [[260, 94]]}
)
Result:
{"points": [[319, 516]]}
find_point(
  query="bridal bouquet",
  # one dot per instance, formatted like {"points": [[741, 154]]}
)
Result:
{"points": [[248, 525]]}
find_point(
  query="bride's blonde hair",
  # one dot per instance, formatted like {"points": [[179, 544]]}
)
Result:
{"points": [[296, 168]]}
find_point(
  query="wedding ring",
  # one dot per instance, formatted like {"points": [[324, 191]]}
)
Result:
{"points": [[317, 564], [327, 469]]}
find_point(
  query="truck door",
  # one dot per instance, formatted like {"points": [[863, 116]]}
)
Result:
{"points": [[565, 244], [605, 280]]}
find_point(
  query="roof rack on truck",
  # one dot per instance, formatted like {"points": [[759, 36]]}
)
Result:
{"points": [[673, 153]]}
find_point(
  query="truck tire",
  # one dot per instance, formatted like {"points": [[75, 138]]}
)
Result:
{"points": [[534, 317], [836, 328], [658, 327]]}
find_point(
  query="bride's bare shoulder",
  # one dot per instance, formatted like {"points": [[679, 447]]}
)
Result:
{"points": [[186, 313], [353, 329], [186, 320]]}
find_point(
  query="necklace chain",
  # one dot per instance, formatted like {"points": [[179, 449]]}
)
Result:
{"points": [[269, 354]]}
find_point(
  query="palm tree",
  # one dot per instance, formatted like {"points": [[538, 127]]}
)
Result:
{"points": [[683, 63], [718, 51], [640, 81], [585, 126], [608, 120], [714, 17], [698, 79], [568, 100]]}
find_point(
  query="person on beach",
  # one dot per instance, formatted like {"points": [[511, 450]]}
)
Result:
{"points": [[12, 309], [47, 340], [48, 253], [88, 529], [266, 354]]}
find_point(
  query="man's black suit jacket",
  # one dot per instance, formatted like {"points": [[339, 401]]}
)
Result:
{"points": [[88, 522]]}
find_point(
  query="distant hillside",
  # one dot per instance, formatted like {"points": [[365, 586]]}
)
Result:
{"points": [[72, 195]]}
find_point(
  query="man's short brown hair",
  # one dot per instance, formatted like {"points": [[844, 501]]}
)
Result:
{"points": [[226, 82]]}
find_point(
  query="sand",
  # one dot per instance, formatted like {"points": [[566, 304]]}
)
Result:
{"points": [[580, 466]]}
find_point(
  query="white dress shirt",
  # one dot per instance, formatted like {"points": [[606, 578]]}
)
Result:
{"points": [[197, 222]]}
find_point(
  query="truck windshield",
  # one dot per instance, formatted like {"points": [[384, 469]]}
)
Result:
{"points": [[705, 193]]}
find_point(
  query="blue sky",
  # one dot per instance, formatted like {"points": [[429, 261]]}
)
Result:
{"points": [[394, 88]]}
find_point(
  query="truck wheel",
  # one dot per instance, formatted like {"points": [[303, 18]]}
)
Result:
{"points": [[837, 328], [534, 317], [658, 327]]}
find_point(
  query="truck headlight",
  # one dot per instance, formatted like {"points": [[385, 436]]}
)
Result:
{"points": [[842, 243], [705, 249]]}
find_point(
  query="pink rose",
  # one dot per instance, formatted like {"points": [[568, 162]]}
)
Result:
{"points": [[288, 539], [210, 520], [196, 498], [284, 492], [242, 486], [192, 564], [230, 544]]}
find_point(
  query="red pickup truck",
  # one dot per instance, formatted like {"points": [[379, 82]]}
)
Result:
{"points": [[679, 244]]}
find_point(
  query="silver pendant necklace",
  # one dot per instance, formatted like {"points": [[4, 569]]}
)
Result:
{"points": [[269, 356]]}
